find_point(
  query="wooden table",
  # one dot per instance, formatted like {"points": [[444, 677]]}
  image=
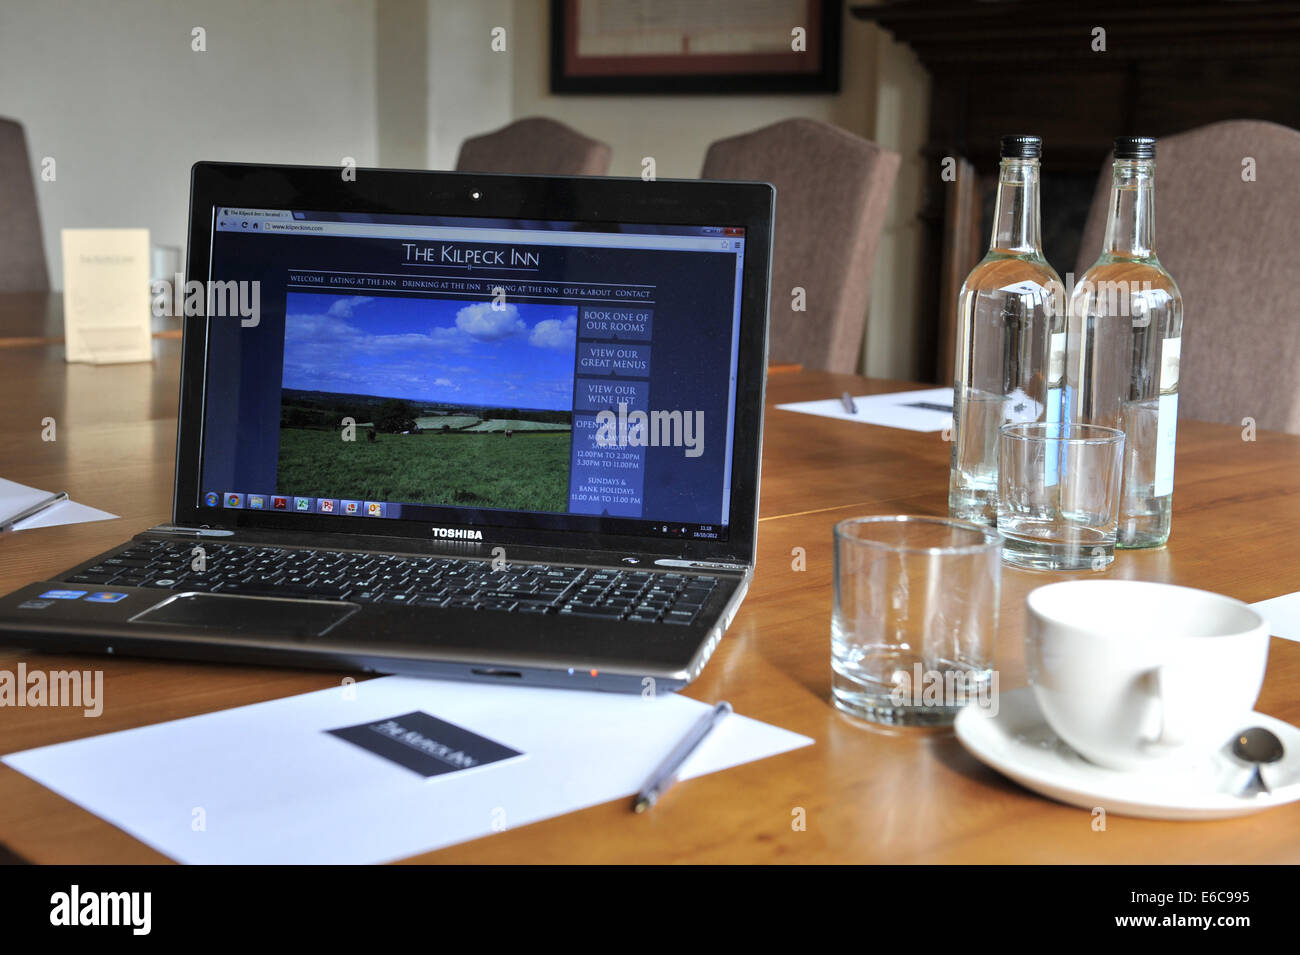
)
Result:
{"points": [[868, 795], [36, 318]]}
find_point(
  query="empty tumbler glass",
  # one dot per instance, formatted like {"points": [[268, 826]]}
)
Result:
{"points": [[1059, 494], [914, 618]]}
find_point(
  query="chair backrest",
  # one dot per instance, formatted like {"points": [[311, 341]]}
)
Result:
{"points": [[534, 146], [1228, 231], [831, 192], [22, 253]]}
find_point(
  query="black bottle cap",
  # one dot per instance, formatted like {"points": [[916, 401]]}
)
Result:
{"points": [[1022, 147], [1135, 147]]}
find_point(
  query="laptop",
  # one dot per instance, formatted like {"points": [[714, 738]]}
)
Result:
{"points": [[483, 427]]}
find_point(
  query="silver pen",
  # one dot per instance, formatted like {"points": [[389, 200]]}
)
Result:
{"points": [[665, 773], [9, 522], [850, 406]]}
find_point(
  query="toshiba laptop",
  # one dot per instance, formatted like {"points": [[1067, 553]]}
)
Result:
{"points": [[484, 427]]}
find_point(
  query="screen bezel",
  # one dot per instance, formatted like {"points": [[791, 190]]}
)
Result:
{"points": [[589, 199]]}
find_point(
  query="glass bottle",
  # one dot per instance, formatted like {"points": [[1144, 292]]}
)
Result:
{"points": [[1124, 341], [1010, 337]]}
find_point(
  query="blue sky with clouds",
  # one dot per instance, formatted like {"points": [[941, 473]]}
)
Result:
{"points": [[431, 349]]}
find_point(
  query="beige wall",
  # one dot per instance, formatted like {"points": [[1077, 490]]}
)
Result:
{"points": [[439, 79], [115, 95], [470, 84], [902, 122], [402, 87]]}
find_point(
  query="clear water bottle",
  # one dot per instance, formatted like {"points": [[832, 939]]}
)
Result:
{"points": [[1010, 337], [1124, 342]]}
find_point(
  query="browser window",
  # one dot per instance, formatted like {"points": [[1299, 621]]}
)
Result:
{"points": [[475, 372]]}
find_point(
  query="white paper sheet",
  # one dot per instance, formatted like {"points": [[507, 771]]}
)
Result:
{"points": [[905, 409], [15, 497], [270, 785], [1283, 615]]}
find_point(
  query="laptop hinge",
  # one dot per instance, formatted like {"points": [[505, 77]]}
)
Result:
{"points": [[175, 530]]}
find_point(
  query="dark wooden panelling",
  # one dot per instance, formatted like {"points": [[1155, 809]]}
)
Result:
{"points": [[1017, 66]]}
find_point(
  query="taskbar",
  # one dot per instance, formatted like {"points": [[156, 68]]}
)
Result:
{"points": [[390, 510]]}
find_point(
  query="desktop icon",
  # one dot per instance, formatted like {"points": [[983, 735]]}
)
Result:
{"points": [[352, 508], [374, 509], [302, 503], [280, 503], [257, 501], [326, 505], [234, 500], [212, 499]]}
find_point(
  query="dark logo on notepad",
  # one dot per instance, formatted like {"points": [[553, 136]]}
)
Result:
{"points": [[425, 744]]}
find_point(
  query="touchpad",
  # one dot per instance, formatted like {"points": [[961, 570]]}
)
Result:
{"points": [[255, 615]]}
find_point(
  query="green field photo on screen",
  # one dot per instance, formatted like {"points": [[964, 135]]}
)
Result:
{"points": [[427, 401], [528, 471]]}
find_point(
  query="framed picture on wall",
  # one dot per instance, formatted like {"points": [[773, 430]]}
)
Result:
{"points": [[689, 46]]}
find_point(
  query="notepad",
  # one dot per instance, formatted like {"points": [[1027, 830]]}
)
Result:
{"points": [[15, 498], [383, 769], [1282, 614], [929, 409]]}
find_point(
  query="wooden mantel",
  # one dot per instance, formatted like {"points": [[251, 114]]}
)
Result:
{"points": [[968, 31]]}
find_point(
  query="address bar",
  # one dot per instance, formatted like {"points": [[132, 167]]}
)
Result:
{"points": [[270, 226], [608, 240]]}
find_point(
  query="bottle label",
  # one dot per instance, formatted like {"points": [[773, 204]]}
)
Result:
{"points": [[1056, 360], [1166, 430], [1054, 416], [1170, 354]]}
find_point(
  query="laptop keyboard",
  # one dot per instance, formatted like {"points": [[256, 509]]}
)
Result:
{"points": [[250, 570]]}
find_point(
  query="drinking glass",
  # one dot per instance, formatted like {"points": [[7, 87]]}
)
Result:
{"points": [[164, 263], [914, 617], [1059, 494]]}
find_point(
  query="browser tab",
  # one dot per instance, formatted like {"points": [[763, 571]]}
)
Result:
{"points": [[233, 219]]}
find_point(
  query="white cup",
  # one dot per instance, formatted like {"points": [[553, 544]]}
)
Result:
{"points": [[1135, 675]]}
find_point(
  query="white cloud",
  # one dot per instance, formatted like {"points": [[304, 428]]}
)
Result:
{"points": [[344, 307], [433, 361], [449, 338], [485, 324], [555, 333]]}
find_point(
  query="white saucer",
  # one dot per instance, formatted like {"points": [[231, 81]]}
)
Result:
{"points": [[1018, 743]]}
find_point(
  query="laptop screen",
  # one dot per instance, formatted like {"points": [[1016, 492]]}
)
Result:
{"points": [[472, 372]]}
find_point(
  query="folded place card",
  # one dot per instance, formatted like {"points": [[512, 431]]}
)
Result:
{"points": [[106, 315]]}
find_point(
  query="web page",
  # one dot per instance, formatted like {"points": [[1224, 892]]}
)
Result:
{"points": [[476, 372]]}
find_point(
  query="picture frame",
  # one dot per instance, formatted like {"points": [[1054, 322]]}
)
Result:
{"points": [[622, 53]]}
